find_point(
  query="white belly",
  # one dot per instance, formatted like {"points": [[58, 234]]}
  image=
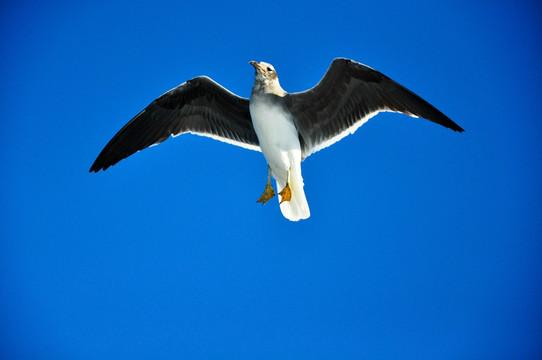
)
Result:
{"points": [[278, 137], [279, 142]]}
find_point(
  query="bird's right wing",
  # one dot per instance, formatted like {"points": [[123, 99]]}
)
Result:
{"points": [[348, 95], [199, 106]]}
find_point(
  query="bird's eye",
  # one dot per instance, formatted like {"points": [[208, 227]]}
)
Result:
{"points": [[269, 69]]}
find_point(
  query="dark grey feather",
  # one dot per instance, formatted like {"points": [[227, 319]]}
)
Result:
{"points": [[198, 106], [348, 93]]}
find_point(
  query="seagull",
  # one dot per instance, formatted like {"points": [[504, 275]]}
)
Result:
{"points": [[285, 127]]}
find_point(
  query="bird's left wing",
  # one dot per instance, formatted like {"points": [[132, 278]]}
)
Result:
{"points": [[348, 95], [199, 106]]}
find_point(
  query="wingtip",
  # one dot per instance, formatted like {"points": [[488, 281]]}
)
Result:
{"points": [[458, 128], [96, 168]]}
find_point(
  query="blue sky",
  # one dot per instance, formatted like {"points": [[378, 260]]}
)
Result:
{"points": [[422, 244]]}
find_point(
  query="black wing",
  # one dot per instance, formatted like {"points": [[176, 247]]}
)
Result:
{"points": [[347, 96], [199, 106]]}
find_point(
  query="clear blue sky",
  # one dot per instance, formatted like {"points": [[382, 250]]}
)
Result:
{"points": [[423, 243]]}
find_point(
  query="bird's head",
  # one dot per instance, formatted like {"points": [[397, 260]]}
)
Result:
{"points": [[266, 79]]}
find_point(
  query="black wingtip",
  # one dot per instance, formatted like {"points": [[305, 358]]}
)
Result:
{"points": [[429, 112], [452, 125], [457, 128], [97, 166]]}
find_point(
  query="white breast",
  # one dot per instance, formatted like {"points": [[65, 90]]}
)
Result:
{"points": [[276, 133]]}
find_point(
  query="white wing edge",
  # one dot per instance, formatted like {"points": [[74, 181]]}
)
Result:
{"points": [[352, 129], [219, 138]]}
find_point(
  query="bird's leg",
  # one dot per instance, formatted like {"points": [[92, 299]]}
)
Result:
{"points": [[268, 193], [286, 193]]}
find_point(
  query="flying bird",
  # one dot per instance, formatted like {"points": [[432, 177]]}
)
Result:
{"points": [[285, 127]]}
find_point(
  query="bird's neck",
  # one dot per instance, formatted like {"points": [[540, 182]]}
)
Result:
{"points": [[267, 87]]}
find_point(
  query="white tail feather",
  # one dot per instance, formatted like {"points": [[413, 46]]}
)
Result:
{"points": [[297, 208]]}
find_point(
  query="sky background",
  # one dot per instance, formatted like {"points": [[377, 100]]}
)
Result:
{"points": [[422, 244]]}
